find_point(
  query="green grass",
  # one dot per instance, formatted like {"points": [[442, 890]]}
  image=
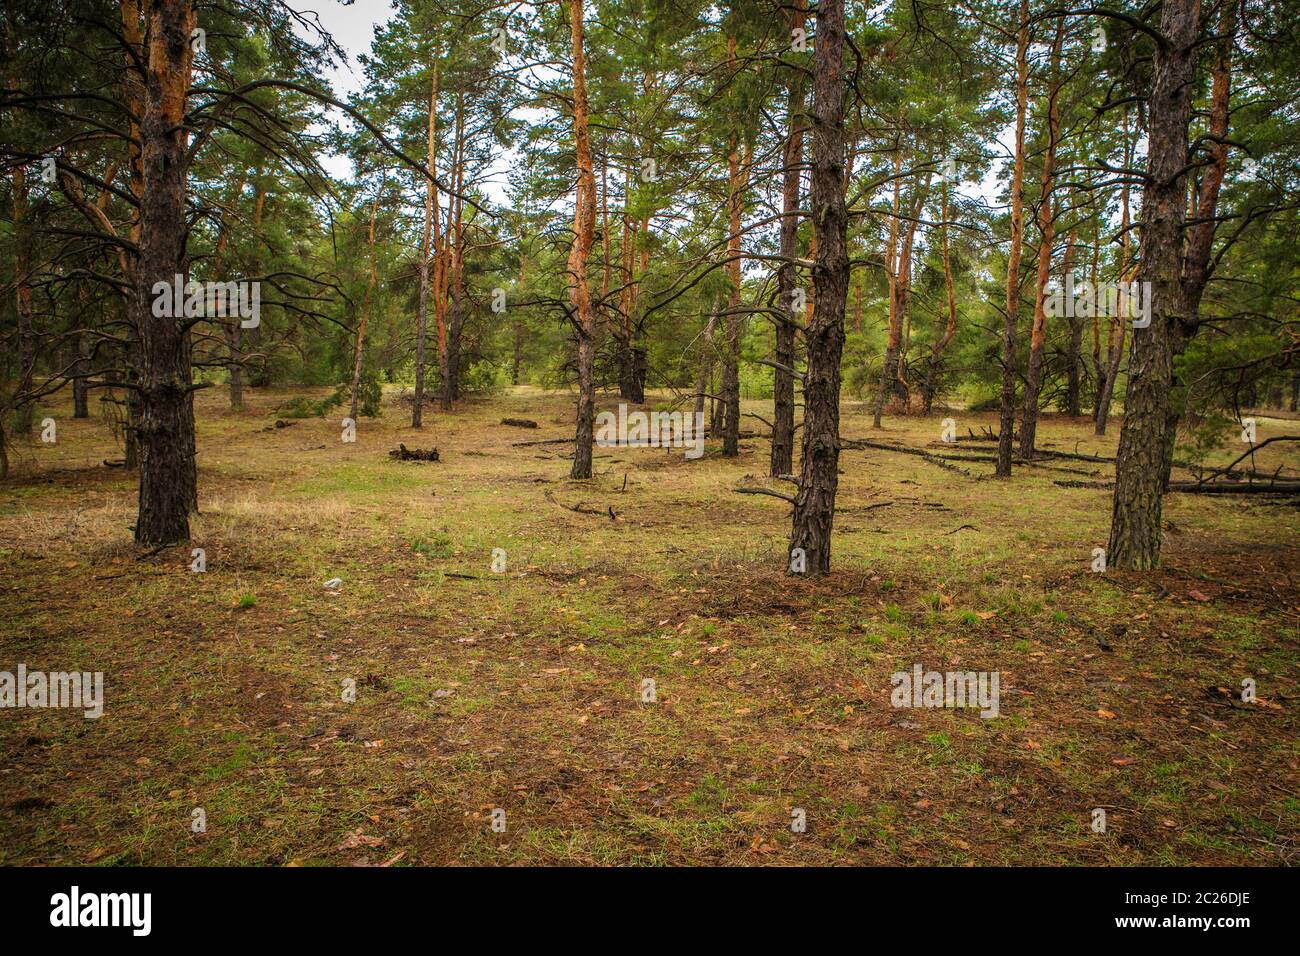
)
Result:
{"points": [[520, 690]]}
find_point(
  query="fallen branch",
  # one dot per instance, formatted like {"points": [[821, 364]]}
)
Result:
{"points": [[1072, 456], [1236, 488], [765, 491], [582, 509], [1247, 454], [543, 441], [919, 452], [1199, 488]]}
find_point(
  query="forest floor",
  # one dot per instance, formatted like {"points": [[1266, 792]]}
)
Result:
{"points": [[522, 690]]}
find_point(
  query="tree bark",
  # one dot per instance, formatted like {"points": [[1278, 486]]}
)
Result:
{"points": [[1200, 238], [166, 423], [1046, 233], [814, 509], [1139, 473], [897, 370], [1007, 417], [231, 329], [1074, 355], [1119, 323], [782, 456], [731, 354], [430, 211], [455, 265], [894, 332], [365, 312], [950, 329], [22, 406], [706, 365], [80, 386], [584, 226]]}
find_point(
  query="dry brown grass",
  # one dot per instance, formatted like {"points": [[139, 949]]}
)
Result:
{"points": [[520, 690]]}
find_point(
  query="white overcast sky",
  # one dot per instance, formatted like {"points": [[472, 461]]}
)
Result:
{"points": [[353, 27]]}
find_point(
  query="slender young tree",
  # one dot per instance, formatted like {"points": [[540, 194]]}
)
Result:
{"points": [[1046, 233], [814, 509], [583, 316], [783, 376], [1007, 415], [426, 250]]}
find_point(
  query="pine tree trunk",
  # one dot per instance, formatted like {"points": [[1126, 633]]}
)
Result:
{"points": [[782, 452], [1007, 416], [430, 210], [1139, 469], [234, 337], [1200, 233], [165, 425], [1073, 403], [452, 288], [731, 355], [950, 329], [814, 509], [1046, 233], [903, 294], [80, 386], [584, 226], [23, 408], [1074, 356], [706, 365], [365, 314], [894, 333], [1115, 349]]}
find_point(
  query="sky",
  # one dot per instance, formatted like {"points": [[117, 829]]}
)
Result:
{"points": [[353, 27]]}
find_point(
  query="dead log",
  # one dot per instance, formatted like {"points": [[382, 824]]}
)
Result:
{"points": [[1072, 456], [1236, 488], [402, 453], [519, 422], [542, 441], [1209, 488], [919, 452], [1247, 454]]}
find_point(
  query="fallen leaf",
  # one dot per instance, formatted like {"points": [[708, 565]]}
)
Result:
{"points": [[357, 838]]}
